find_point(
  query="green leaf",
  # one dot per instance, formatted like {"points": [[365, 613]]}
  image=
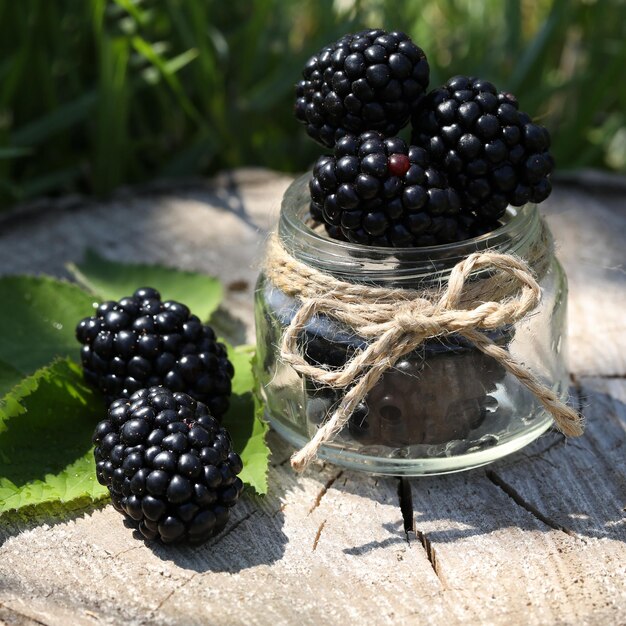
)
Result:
{"points": [[45, 440], [243, 421], [242, 359], [38, 316], [112, 280], [12, 401], [255, 453], [9, 376]]}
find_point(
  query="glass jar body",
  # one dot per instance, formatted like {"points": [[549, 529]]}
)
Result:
{"points": [[445, 406]]}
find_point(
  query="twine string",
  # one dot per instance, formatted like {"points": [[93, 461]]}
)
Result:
{"points": [[397, 321]]}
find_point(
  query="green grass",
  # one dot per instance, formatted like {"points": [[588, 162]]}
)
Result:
{"points": [[98, 93]]}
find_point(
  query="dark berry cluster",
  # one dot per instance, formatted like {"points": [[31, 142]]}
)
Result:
{"points": [[479, 153], [378, 191], [168, 465], [370, 80], [141, 341], [491, 152]]}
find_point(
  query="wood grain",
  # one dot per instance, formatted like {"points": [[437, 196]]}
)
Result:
{"points": [[590, 231], [544, 529], [537, 538]]}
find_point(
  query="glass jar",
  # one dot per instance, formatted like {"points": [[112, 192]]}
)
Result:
{"points": [[446, 406]]}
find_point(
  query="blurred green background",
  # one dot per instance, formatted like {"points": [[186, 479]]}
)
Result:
{"points": [[99, 93]]}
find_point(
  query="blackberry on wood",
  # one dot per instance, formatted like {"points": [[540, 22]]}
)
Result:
{"points": [[378, 191], [168, 465], [370, 80], [141, 341], [492, 153]]}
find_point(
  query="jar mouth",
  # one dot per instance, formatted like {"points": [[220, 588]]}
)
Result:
{"points": [[346, 260]]}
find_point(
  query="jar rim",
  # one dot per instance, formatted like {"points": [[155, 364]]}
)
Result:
{"points": [[383, 265]]}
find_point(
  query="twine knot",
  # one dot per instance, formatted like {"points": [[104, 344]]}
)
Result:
{"points": [[416, 319], [395, 322]]}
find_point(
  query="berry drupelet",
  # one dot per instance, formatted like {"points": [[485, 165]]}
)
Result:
{"points": [[491, 152], [370, 80], [141, 341], [471, 226], [378, 191], [168, 465]]}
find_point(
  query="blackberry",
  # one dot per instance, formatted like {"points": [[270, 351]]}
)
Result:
{"points": [[370, 80], [378, 191], [472, 226], [168, 465], [492, 153], [141, 341]]}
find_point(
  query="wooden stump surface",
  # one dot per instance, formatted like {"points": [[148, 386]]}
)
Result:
{"points": [[537, 538]]}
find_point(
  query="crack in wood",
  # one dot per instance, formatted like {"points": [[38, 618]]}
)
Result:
{"points": [[431, 555], [111, 556], [168, 596], [405, 498], [117, 554], [318, 534], [510, 491], [324, 490]]}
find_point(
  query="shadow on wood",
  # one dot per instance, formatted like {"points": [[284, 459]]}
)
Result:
{"points": [[554, 484]]}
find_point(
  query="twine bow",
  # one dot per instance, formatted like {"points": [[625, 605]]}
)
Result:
{"points": [[397, 321]]}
